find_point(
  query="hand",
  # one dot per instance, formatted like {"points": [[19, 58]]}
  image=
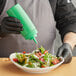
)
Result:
{"points": [[11, 25], [66, 52]]}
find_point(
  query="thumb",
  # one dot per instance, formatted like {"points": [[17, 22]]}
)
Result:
{"points": [[59, 52]]}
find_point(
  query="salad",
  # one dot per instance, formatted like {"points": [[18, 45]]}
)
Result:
{"points": [[39, 58]]}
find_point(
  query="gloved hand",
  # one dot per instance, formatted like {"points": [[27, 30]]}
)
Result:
{"points": [[10, 25], [66, 52]]}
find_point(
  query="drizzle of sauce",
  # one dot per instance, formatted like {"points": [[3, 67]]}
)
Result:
{"points": [[36, 46]]}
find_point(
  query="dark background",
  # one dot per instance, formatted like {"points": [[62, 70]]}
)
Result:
{"points": [[58, 39]]}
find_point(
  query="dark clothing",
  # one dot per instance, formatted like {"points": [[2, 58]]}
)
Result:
{"points": [[2, 4], [64, 13], [65, 16]]}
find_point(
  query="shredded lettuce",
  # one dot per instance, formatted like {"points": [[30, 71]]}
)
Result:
{"points": [[30, 66], [33, 60]]}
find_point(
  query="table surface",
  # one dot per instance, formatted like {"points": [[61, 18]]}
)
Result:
{"points": [[7, 68]]}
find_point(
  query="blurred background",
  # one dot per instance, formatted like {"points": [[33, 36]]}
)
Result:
{"points": [[58, 40]]}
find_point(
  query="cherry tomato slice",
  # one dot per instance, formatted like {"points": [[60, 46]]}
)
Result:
{"points": [[15, 59], [24, 52], [40, 53], [42, 66], [55, 61], [45, 51], [41, 59]]}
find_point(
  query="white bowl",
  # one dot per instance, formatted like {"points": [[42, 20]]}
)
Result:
{"points": [[35, 70]]}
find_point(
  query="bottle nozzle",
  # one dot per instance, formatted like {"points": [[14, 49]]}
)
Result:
{"points": [[35, 41]]}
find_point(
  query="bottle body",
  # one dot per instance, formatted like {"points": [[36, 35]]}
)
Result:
{"points": [[29, 31]]}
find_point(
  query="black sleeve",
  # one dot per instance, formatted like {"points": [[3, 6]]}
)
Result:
{"points": [[65, 17], [2, 4]]}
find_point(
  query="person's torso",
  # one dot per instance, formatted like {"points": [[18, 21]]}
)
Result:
{"points": [[41, 15]]}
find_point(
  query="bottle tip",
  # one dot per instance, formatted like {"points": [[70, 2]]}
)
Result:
{"points": [[35, 41]]}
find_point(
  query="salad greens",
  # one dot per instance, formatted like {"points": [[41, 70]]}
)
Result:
{"points": [[42, 49], [39, 58]]}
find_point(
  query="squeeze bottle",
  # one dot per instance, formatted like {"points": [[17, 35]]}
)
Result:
{"points": [[29, 31]]}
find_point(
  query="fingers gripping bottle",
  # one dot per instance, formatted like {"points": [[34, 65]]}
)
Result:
{"points": [[29, 31]]}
